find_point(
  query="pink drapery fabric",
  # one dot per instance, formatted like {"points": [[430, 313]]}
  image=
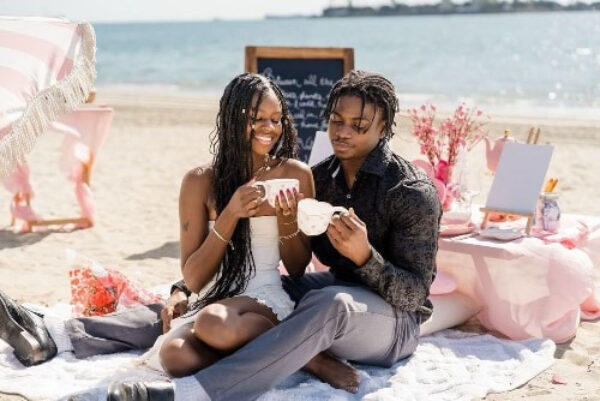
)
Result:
{"points": [[47, 68], [530, 287], [85, 130]]}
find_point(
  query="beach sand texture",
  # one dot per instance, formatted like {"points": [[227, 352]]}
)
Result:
{"points": [[155, 139]]}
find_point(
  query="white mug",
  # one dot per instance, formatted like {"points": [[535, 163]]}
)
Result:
{"points": [[314, 216], [271, 188]]}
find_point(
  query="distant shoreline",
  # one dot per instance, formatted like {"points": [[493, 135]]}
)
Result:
{"points": [[519, 108]]}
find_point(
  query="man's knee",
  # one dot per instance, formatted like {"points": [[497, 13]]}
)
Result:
{"points": [[298, 287], [333, 298], [407, 338]]}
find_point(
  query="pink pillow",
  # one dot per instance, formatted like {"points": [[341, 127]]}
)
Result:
{"points": [[443, 284]]}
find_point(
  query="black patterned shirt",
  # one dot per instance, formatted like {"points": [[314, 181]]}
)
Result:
{"points": [[402, 211]]}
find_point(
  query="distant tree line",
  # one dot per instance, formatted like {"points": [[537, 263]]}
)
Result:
{"points": [[448, 7]]}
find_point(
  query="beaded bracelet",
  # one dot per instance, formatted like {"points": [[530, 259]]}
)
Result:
{"points": [[219, 236], [289, 236]]}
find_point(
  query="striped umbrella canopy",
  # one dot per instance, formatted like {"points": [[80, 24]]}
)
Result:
{"points": [[47, 68]]}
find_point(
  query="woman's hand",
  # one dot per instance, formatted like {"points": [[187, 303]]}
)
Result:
{"points": [[286, 206], [176, 306], [245, 201]]}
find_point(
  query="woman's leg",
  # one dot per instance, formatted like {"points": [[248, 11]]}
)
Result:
{"points": [[218, 329], [182, 354], [227, 325]]}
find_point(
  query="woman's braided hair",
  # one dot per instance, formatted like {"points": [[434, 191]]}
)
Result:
{"points": [[232, 168]]}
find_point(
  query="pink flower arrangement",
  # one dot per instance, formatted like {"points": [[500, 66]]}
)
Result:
{"points": [[97, 291], [441, 145]]}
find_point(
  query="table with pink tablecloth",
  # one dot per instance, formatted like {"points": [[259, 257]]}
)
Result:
{"points": [[530, 287]]}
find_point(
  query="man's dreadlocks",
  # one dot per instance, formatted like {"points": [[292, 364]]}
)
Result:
{"points": [[370, 88]]}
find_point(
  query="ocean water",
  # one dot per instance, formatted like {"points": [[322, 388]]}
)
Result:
{"points": [[545, 60]]}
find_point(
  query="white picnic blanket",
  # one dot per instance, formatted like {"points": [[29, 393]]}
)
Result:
{"points": [[448, 365]]}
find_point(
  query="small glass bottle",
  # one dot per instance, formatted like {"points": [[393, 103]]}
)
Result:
{"points": [[548, 212]]}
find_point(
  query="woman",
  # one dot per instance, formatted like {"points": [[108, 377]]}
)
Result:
{"points": [[233, 243]]}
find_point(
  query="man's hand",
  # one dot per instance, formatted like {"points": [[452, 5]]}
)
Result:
{"points": [[348, 234], [175, 307]]}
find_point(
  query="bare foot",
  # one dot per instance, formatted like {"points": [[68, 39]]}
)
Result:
{"points": [[337, 374]]}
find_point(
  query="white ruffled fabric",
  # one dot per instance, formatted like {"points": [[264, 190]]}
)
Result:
{"points": [[275, 298]]}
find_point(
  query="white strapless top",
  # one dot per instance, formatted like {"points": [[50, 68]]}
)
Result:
{"points": [[265, 286]]}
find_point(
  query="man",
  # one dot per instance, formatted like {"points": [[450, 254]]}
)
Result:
{"points": [[382, 258]]}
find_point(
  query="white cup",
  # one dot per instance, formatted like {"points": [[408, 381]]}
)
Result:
{"points": [[271, 188], [314, 216]]}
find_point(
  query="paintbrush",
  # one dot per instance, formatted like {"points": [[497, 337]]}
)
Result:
{"points": [[550, 184]]}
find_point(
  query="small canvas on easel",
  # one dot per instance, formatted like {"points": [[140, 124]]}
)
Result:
{"points": [[518, 180]]}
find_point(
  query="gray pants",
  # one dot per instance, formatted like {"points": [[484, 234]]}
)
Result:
{"points": [[133, 329], [351, 321]]}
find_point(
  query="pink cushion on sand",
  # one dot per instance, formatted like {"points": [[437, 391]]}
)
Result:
{"points": [[443, 284]]}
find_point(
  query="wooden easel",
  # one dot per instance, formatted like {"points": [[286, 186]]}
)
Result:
{"points": [[534, 135], [532, 139], [487, 213]]}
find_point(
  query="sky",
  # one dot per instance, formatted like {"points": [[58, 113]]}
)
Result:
{"points": [[174, 10]]}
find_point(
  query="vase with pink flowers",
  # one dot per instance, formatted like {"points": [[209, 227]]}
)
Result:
{"points": [[445, 144]]}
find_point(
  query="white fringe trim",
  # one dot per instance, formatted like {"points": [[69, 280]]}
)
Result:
{"points": [[51, 103]]}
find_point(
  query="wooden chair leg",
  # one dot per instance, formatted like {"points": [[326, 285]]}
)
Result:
{"points": [[61, 222]]}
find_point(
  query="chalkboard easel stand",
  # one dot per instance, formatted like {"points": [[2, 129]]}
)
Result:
{"points": [[253, 53]]}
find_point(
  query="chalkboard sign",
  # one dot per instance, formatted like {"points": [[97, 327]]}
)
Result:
{"points": [[305, 75]]}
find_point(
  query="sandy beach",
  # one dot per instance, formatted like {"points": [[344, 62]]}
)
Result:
{"points": [[155, 139]]}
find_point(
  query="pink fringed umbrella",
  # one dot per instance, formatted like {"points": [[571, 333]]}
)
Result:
{"points": [[47, 68]]}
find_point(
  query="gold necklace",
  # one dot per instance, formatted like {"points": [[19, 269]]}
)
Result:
{"points": [[262, 169]]}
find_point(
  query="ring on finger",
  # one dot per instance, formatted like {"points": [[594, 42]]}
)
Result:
{"points": [[286, 213]]}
